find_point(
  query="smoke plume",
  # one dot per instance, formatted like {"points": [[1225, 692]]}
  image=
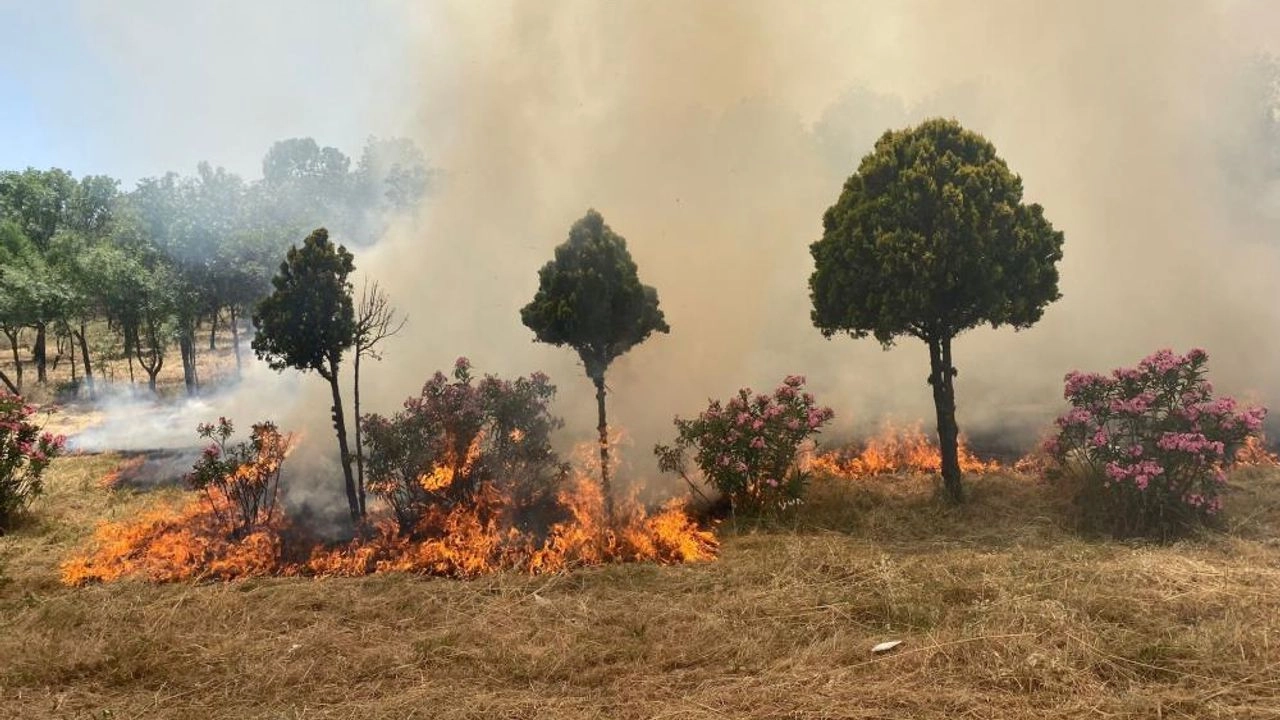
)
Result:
{"points": [[713, 135]]}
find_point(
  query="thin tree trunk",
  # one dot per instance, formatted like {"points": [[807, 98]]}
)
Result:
{"points": [[40, 354], [17, 357], [84, 355], [157, 360], [603, 426], [359, 436], [9, 383], [213, 330], [944, 401], [130, 347], [235, 340], [72, 355], [187, 347], [340, 427]]}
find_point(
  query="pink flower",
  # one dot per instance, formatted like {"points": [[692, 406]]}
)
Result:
{"points": [[757, 442]]}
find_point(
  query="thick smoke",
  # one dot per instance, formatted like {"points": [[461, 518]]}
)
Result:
{"points": [[713, 136]]}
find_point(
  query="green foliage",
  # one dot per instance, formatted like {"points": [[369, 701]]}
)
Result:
{"points": [[309, 319], [929, 238], [591, 299]]}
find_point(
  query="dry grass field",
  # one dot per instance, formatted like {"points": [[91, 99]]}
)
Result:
{"points": [[1004, 613]]}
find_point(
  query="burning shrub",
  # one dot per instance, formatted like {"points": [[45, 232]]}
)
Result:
{"points": [[747, 448], [457, 438], [1149, 444], [25, 453], [240, 481]]}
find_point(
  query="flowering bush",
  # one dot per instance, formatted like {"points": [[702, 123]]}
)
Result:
{"points": [[25, 453], [458, 437], [1150, 443], [242, 480], [746, 448]]}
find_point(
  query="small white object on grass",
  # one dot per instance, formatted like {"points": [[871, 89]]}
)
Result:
{"points": [[885, 647]]}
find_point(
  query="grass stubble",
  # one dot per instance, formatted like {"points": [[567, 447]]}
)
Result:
{"points": [[1005, 612]]}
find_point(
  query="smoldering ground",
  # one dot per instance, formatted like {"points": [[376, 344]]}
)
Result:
{"points": [[713, 135]]}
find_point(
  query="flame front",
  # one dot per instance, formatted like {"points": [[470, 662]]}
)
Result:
{"points": [[194, 542], [1254, 452], [893, 451]]}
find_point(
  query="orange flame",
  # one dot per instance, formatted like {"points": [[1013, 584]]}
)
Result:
{"points": [[193, 542], [895, 451], [1254, 452], [111, 480]]}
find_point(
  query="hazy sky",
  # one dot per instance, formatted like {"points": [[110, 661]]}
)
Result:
{"points": [[136, 88]]}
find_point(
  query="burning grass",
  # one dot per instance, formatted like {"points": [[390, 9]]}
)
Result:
{"points": [[894, 451], [196, 540], [1004, 614]]}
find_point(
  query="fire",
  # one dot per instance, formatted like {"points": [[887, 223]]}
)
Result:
{"points": [[111, 480], [196, 541], [1254, 452], [894, 451]]}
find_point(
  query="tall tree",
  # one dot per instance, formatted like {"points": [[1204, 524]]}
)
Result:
{"points": [[591, 299], [376, 320], [308, 322], [930, 238]]}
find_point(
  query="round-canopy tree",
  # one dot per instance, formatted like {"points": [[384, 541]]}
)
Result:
{"points": [[308, 321], [930, 238], [591, 299]]}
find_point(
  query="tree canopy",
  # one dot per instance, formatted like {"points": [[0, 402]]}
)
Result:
{"points": [[308, 321], [590, 297], [930, 238]]}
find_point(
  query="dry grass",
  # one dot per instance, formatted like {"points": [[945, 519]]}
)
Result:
{"points": [[1005, 614]]}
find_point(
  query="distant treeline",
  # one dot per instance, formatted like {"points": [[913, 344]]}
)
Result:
{"points": [[177, 254]]}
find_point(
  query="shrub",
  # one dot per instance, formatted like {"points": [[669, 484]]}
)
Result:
{"points": [[458, 437], [242, 480], [747, 448], [25, 453], [1149, 445]]}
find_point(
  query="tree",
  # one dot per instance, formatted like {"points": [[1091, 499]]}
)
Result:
{"points": [[308, 321], [930, 238], [375, 321], [591, 299]]}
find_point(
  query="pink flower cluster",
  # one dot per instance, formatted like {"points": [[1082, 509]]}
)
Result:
{"points": [[1155, 430], [747, 447], [25, 453]]}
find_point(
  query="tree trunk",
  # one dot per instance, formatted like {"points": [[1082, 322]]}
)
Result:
{"points": [[157, 360], [213, 330], [359, 436], [186, 347], [235, 340], [944, 402], [17, 358], [84, 356], [340, 427], [603, 426], [40, 354], [130, 347], [9, 383]]}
